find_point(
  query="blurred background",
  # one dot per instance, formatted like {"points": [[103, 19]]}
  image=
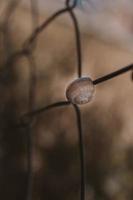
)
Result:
{"points": [[107, 121]]}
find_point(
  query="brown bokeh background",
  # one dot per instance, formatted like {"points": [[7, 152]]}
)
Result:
{"points": [[107, 121]]}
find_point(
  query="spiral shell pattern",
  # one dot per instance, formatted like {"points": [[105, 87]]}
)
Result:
{"points": [[80, 91]]}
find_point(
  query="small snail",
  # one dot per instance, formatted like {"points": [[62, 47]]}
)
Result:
{"points": [[80, 91]]}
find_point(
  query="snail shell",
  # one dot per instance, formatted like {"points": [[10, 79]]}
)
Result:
{"points": [[80, 91]]}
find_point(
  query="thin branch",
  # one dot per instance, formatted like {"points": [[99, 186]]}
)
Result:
{"points": [[34, 13], [81, 151], [113, 74], [10, 10], [28, 116], [26, 48], [29, 162], [35, 17], [77, 37], [39, 29], [30, 146]]}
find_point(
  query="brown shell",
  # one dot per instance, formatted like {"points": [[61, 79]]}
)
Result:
{"points": [[80, 91]]}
